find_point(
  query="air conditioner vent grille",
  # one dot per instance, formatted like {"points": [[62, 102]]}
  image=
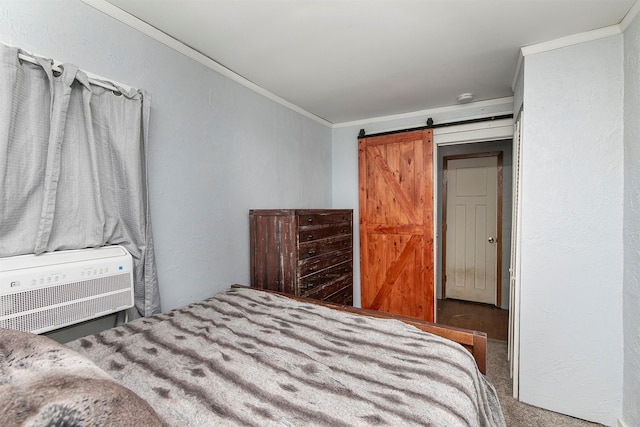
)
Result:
{"points": [[64, 315], [50, 296]]}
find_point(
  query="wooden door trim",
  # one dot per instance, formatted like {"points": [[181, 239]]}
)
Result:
{"points": [[446, 159]]}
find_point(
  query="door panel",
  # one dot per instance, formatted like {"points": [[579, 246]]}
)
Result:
{"points": [[396, 223], [472, 229]]}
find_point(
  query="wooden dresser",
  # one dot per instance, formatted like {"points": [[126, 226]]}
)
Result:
{"points": [[304, 252]]}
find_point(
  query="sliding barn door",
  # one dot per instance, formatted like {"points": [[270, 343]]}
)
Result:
{"points": [[396, 223]]}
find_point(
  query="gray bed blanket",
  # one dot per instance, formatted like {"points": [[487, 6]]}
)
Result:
{"points": [[246, 357], [43, 383]]}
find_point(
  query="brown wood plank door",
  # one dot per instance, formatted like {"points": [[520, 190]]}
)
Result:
{"points": [[396, 223]]}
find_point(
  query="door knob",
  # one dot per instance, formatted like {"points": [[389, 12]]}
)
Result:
{"points": [[491, 240]]}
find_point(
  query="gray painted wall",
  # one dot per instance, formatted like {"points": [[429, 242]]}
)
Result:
{"points": [[631, 226], [216, 148], [571, 242]]}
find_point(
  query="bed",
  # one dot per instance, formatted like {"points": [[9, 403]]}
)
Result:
{"points": [[250, 357]]}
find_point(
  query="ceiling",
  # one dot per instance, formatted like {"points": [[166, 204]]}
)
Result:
{"points": [[347, 60]]}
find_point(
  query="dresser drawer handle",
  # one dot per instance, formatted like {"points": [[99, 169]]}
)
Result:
{"points": [[310, 237], [311, 252], [313, 268], [309, 219]]}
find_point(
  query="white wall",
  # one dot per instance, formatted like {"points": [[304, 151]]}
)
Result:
{"points": [[631, 233], [571, 245], [216, 148], [345, 155]]}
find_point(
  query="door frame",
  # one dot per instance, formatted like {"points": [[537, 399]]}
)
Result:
{"points": [[446, 159], [482, 131]]}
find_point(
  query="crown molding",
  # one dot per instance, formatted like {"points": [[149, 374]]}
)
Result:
{"points": [[139, 25], [630, 16], [571, 40], [578, 38]]}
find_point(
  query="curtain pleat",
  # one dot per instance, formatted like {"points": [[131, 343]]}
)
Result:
{"points": [[60, 88], [25, 112], [73, 168]]}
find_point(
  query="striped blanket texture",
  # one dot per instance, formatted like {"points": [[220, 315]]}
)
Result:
{"points": [[246, 357], [43, 383]]}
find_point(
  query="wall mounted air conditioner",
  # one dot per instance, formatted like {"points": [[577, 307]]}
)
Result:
{"points": [[40, 293]]}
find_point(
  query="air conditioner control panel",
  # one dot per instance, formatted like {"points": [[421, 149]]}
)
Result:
{"points": [[18, 278]]}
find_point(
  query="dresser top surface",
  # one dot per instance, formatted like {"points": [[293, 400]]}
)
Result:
{"points": [[276, 212]]}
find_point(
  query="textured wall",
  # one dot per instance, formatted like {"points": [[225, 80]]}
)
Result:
{"points": [[571, 243], [631, 234], [216, 148]]}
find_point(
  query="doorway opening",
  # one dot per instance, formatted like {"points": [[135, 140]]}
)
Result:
{"points": [[488, 313]]}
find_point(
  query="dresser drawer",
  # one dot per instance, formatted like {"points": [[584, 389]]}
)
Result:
{"points": [[328, 288], [323, 219], [309, 233], [316, 248], [344, 296], [313, 265], [329, 275]]}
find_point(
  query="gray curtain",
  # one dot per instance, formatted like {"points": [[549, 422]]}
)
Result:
{"points": [[73, 170]]}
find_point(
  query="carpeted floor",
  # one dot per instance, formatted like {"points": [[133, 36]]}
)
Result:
{"points": [[519, 414]]}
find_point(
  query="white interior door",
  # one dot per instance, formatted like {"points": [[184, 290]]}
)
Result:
{"points": [[472, 229]]}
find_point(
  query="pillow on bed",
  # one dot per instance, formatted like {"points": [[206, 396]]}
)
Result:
{"points": [[43, 382]]}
